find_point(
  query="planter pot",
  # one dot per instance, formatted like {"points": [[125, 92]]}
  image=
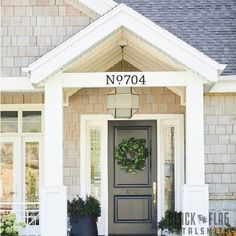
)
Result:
{"points": [[84, 226]]}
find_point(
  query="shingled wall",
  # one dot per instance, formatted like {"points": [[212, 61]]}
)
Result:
{"points": [[31, 28]]}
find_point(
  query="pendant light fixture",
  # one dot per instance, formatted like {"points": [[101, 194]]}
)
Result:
{"points": [[123, 102]]}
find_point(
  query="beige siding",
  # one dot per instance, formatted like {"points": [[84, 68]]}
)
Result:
{"points": [[22, 98], [31, 28], [220, 152], [220, 145]]}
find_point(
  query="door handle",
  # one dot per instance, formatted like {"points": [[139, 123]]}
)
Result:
{"points": [[154, 192]]}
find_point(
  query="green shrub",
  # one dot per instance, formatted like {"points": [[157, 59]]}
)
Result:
{"points": [[172, 222], [80, 207], [9, 226]]}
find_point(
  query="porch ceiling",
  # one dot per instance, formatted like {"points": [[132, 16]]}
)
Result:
{"points": [[137, 52]]}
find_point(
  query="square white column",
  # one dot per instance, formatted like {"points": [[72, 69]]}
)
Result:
{"points": [[195, 192], [53, 204]]}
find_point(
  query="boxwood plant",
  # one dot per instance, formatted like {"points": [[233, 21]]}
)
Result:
{"points": [[171, 222], [79, 207]]}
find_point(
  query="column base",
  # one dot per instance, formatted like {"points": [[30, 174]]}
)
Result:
{"points": [[53, 211], [195, 210]]}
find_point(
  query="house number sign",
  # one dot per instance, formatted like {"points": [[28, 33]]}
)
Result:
{"points": [[125, 79]]}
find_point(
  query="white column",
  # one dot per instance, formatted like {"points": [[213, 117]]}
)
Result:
{"points": [[195, 192], [53, 213]]}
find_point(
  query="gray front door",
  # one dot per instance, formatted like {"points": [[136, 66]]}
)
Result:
{"points": [[132, 197]]}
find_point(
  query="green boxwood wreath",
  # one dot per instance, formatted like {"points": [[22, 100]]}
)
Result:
{"points": [[131, 155]]}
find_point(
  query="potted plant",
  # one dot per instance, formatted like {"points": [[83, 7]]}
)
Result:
{"points": [[171, 224], [223, 231], [83, 216], [9, 226]]}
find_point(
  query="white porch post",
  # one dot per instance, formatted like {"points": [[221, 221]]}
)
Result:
{"points": [[53, 214], [195, 192]]}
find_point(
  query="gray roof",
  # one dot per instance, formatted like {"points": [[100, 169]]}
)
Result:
{"points": [[207, 25]]}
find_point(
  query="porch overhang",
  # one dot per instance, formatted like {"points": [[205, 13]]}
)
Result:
{"points": [[124, 17]]}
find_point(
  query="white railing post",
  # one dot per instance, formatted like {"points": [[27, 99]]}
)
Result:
{"points": [[195, 192], [27, 212], [53, 212]]}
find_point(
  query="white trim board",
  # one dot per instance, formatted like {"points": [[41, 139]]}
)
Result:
{"points": [[17, 84], [99, 6], [123, 16], [225, 84], [224, 87], [176, 120], [153, 79]]}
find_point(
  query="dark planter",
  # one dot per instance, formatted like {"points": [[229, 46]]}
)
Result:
{"points": [[84, 226]]}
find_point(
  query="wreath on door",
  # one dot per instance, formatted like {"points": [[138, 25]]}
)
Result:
{"points": [[131, 155]]}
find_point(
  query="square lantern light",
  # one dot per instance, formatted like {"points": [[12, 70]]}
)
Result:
{"points": [[123, 102]]}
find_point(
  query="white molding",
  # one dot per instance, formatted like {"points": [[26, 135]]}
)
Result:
{"points": [[67, 94], [84, 8], [123, 16], [16, 84], [21, 106], [227, 78], [99, 6], [102, 121], [224, 86], [181, 92], [153, 79]]}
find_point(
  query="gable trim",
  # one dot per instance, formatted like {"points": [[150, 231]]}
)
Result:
{"points": [[123, 16]]}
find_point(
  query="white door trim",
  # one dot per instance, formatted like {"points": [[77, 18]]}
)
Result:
{"points": [[176, 120]]}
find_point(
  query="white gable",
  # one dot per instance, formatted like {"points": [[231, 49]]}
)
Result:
{"points": [[123, 16]]}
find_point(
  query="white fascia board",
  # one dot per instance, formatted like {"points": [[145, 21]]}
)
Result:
{"points": [[16, 84], [99, 6], [227, 78], [226, 84], [123, 16]]}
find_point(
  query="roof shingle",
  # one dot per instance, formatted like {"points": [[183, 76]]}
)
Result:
{"points": [[207, 25]]}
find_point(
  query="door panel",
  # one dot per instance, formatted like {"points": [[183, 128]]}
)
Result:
{"points": [[132, 206]]}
